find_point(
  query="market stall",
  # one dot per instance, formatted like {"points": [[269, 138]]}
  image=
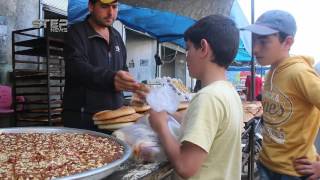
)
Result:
{"points": [[164, 27]]}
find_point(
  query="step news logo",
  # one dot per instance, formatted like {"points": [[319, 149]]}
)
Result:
{"points": [[55, 25]]}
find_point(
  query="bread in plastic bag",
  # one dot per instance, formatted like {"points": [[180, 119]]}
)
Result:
{"points": [[163, 99], [144, 141], [167, 95]]}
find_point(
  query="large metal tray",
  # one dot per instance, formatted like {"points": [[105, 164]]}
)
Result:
{"points": [[98, 173]]}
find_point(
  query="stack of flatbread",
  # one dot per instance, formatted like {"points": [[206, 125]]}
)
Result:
{"points": [[142, 109], [119, 118], [251, 110]]}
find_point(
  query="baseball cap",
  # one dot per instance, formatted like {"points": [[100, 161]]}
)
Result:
{"points": [[272, 22], [107, 1]]}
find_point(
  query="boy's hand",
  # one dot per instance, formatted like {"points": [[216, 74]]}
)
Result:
{"points": [[305, 167], [179, 116], [123, 81], [158, 120]]}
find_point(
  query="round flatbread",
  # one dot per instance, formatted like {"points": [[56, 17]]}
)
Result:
{"points": [[141, 109], [130, 118], [182, 106], [108, 114], [115, 126]]}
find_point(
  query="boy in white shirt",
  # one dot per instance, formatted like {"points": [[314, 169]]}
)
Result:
{"points": [[210, 145]]}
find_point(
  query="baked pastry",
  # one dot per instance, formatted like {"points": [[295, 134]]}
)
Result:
{"points": [[136, 101], [129, 118], [108, 114], [141, 109], [251, 110], [179, 86], [115, 126], [182, 106]]}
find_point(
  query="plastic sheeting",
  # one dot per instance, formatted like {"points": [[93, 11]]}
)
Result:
{"points": [[163, 26], [239, 17]]}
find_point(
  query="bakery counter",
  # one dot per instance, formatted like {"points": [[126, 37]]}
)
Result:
{"points": [[133, 171]]}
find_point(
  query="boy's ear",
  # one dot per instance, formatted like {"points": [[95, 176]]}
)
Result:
{"points": [[206, 48], [288, 42]]}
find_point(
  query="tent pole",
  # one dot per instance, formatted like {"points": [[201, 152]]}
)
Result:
{"points": [[252, 131], [252, 84]]}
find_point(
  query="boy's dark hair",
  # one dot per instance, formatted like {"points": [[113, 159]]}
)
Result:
{"points": [[282, 36], [221, 34]]}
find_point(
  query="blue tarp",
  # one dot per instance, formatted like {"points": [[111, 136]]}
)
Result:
{"points": [[242, 55], [239, 17], [259, 69], [163, 26]]}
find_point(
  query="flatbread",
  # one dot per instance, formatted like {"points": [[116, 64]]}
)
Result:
{"points": [[108, 114], [141, 109], [130, 118], [115, 126], [179, 86], [182, 106]]}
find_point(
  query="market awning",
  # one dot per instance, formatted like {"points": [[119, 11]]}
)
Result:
{"points": [[163, 26]]}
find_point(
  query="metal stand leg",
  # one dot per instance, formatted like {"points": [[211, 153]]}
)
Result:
{"points": [[251, 151]]}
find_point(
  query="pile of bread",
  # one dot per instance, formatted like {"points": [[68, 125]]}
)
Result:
{"points": [[119, 118], [128, 115], [124, 116], [176, 84], [251, 110]]}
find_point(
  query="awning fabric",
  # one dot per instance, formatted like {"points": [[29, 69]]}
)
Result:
{"points": [[161, 25]]}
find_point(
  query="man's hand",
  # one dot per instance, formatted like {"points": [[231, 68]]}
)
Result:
{"points": [[142, 91], [158, 120], [123, 81], [305, 167]]}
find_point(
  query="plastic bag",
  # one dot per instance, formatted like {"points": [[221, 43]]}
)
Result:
{"points": [[144, 141], [166, 94], [163, 99]]}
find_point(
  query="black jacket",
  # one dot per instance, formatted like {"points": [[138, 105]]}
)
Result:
{"points": [[91, 64]]}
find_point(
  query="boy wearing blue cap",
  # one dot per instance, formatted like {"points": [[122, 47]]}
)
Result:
{"points": [[291, 99]]}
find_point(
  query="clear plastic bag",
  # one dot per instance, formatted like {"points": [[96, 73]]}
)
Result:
{"points": [[163, 99], [144, 141]]}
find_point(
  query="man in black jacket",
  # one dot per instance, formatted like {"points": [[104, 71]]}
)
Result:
{"points": [[96, 70]]}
